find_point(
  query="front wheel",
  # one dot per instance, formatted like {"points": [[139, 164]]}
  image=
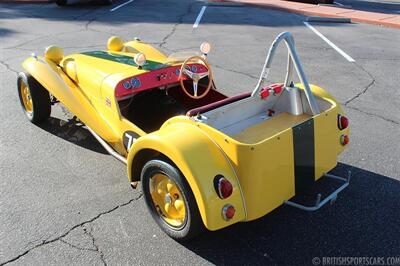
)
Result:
{"points": [[170, 200], [34, 98]]}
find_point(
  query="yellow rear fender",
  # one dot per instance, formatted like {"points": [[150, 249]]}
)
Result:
{"points": [[50, 76], [199, 159]]}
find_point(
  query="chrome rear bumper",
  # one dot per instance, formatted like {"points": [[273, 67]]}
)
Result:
{"points": [[331, 198]]}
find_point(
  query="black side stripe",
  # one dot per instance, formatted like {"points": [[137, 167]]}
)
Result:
{"points": [[304, 155]]}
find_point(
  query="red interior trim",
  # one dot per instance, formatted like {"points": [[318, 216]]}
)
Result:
{"points": [[217, 104]]}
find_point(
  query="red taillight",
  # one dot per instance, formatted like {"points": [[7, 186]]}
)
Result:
{"points": [[223, 187], [228, 211], [343, 122], [264, 93], [278, 89], [271, 89], [344, 140]]}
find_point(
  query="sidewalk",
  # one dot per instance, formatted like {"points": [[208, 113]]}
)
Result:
{"points": [[388, 20]]}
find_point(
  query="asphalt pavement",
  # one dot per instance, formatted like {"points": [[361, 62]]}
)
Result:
{"points": [[65, 201]]}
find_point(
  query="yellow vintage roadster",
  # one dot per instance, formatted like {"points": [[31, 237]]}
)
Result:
{"points": [[204, 160]]}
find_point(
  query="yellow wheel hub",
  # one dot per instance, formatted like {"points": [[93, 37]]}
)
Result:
{"points": [[26, 97], [168, 200]]}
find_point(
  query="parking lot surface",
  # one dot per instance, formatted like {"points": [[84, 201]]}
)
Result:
{"points": [[64, 200]]}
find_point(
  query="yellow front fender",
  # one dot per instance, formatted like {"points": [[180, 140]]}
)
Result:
{"points": [[199, 159], [50, 76]]}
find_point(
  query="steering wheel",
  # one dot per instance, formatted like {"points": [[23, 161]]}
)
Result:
{"points": [[195, 77]]}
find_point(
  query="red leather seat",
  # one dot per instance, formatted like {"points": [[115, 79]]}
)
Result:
{"points": [[211, 106]]}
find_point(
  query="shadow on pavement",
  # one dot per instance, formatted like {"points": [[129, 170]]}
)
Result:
{"points": [[73, 132], [365, 221], [5, 32]]}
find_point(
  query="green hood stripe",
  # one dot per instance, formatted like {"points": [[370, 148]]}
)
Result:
{"points": [[123, 59]]}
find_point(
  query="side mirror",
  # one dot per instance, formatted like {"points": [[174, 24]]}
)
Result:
{"points": [[140, 60], [205, 48]]}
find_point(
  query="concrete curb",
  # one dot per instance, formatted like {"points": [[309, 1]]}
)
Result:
{"points": [[387, 20], [328, 19], [227, 4]]}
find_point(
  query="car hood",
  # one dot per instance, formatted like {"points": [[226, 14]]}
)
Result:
{"points": [[91, 68]]}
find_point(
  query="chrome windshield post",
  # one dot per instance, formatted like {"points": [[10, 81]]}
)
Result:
{"points": [[293, 59]]}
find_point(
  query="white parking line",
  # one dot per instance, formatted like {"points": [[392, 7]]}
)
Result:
{"points": [[339, 4], [340, 51], [196, 23], [121, 5]]}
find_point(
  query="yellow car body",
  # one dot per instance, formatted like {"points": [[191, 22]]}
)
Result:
{"points": [[262, 162]]}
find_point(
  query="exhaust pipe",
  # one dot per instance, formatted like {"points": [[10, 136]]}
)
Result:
{"points": [[108, 148], [112, 152]]}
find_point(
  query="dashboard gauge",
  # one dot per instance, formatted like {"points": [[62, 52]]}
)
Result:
{"points": [[194, 68], [135, 82], [177, 71], [127, 85]]}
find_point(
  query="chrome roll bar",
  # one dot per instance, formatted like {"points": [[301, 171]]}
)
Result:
{"points": [[293, 60]]}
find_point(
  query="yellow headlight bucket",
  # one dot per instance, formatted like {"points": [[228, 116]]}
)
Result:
{"points": [[54, 54], [115, 44]]}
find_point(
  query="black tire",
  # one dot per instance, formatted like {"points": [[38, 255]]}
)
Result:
{"points": [[61, 2], [193, 224], [41, 104], [107, 2]]}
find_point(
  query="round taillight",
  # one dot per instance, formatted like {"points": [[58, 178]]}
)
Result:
{"points": [[343, 122], [228, 211], [344, 140], [223, 187]]}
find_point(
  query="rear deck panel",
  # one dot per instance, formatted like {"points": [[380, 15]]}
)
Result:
{"points": [[270, 127]]}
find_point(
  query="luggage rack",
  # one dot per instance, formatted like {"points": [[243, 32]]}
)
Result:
{"points": [[331, 198]]}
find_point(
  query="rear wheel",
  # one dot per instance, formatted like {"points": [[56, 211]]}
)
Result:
{"points": [[34, 98], [170, 200]]}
